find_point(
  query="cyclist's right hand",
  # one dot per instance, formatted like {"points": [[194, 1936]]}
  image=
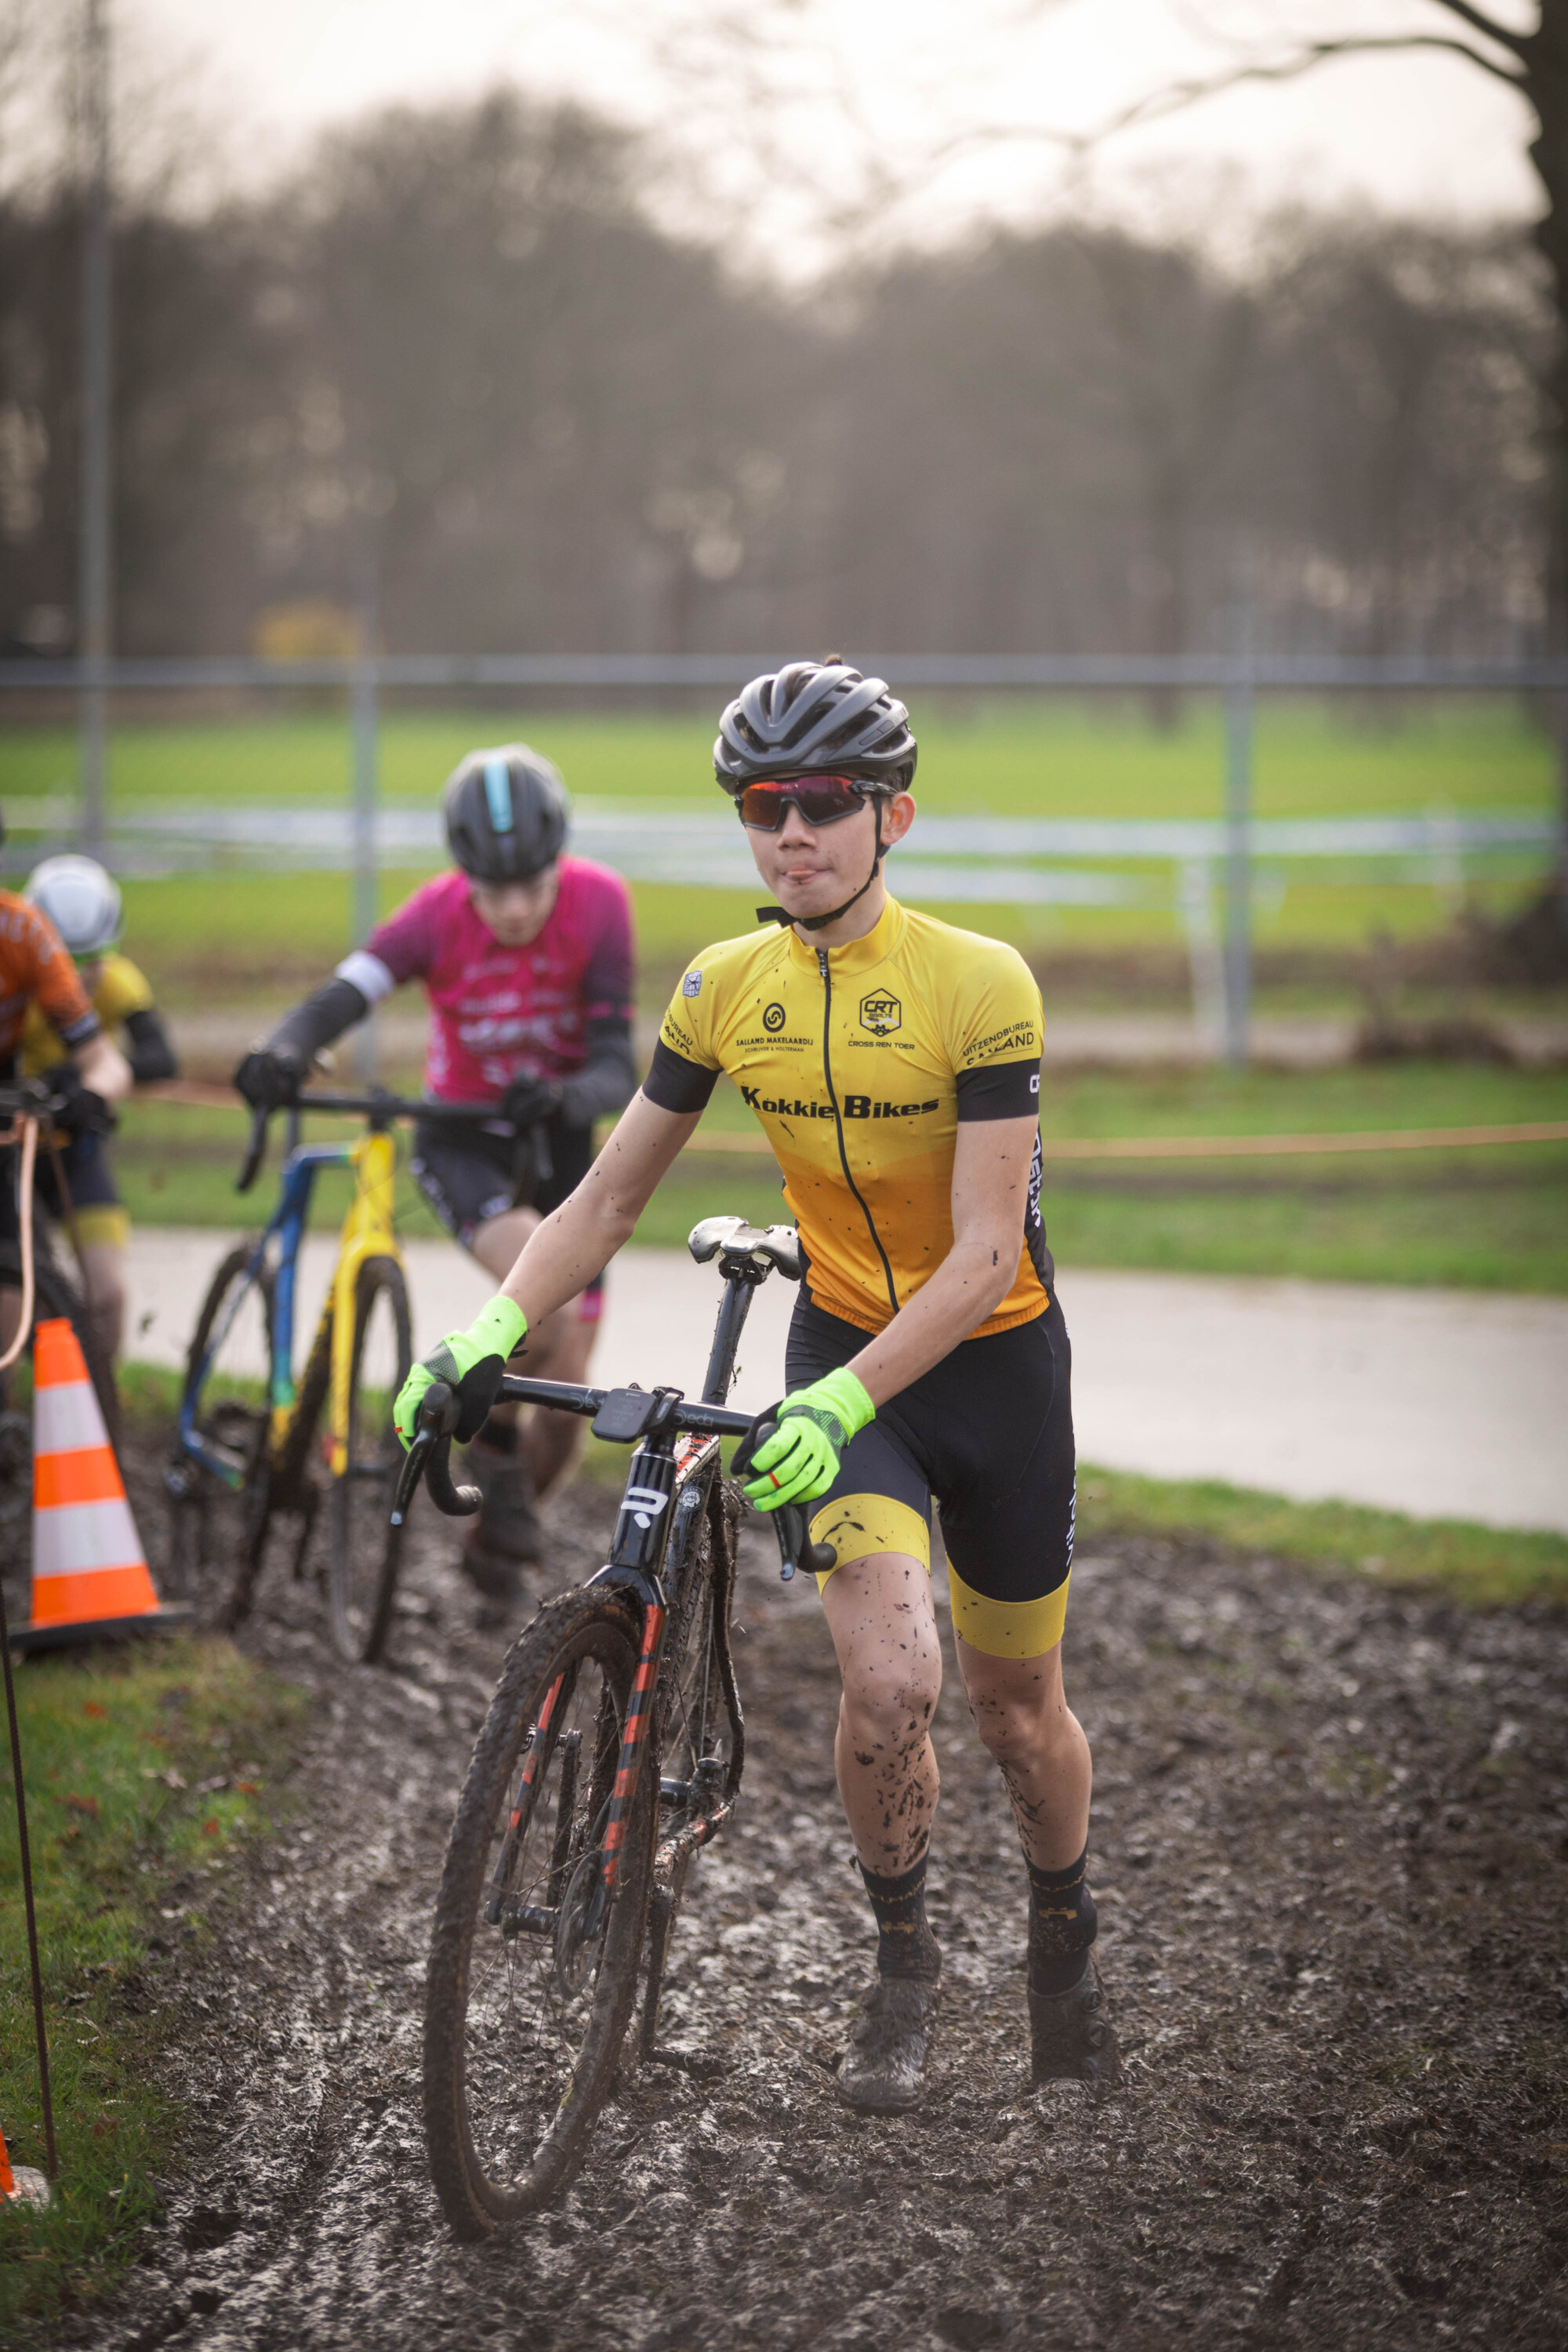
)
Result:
{"points": [[471, 1361], [82, 1112], [269, 1077]]}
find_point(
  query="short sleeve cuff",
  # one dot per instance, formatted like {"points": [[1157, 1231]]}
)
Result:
{"points": [[677, 1084], [1000, 1090]]}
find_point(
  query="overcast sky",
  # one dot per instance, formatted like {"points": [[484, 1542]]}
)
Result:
{"points": [[1419, 133]]}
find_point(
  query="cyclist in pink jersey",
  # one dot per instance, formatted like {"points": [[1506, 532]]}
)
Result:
{"points": [[528, 964]]}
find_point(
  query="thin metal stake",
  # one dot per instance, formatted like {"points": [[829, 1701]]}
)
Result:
{"points": [[95, 585], [1238, 716], [28, 1893], [365, 719]]}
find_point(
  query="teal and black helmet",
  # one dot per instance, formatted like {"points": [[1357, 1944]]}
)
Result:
{"points": [[506, 813]]}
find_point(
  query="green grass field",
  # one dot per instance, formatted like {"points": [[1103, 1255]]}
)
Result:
{"points": [[1490, 1219], [142, 1768], [1018, 756], [246, 945]]}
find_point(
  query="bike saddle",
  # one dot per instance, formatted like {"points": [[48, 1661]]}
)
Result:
{"points": [[735, 1243]]}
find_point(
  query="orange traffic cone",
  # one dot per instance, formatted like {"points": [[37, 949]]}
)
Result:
{"points": [[89, 1576], [23, 2186]]}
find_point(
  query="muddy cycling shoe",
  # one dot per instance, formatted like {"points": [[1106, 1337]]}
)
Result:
{"points": [[879, 2072], [496, 1579], [1072, 2038], [505, 1536], [507, 1528]]}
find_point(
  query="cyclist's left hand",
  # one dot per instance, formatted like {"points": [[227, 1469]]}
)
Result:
{"points": [[471, 1361], [528, 1102], [800, 1460]]}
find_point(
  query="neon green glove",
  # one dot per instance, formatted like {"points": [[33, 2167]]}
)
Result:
{"points": [[471, 1361], [800, 1460]]}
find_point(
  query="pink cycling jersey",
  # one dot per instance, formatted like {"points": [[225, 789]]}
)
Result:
{"points": [[499, 1012]]}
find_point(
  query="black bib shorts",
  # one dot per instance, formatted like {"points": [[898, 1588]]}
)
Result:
{"points": [[987, 1436]]}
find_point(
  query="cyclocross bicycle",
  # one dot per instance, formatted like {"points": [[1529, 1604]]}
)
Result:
{"points": [[612, 1752], [246, 1446]]}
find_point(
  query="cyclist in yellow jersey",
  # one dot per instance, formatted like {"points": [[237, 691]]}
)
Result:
{"points": [[83, 903], [893, 1064]]}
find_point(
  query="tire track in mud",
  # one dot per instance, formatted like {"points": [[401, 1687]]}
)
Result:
{"points": [[1330, 1845]]}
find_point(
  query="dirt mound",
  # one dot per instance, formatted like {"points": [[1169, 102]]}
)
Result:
{"points": [[1328, 1846]]}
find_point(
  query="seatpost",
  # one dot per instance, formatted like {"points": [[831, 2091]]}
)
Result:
{"points": [[734, 1308]]}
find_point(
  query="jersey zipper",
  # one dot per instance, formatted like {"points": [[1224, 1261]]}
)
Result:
{"points": [[838, 1125]]}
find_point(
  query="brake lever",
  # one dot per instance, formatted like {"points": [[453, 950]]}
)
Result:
{"points": [[413, 1470], [430, 1455], [254, 1152]]}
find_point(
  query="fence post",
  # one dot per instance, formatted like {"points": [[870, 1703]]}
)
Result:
{"points": [[1238, 728], [94, 590], [364, 722]]}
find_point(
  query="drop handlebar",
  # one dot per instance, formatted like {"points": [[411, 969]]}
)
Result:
{"points": [[429, 1455]]}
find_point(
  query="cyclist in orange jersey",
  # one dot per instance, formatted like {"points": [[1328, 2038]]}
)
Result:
{"points": [[38, 969]]}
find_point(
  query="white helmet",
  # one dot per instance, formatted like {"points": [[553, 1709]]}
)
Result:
{"points": [[81, 901]]}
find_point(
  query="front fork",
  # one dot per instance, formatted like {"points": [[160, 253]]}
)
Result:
{"points": [[623, 1795]]}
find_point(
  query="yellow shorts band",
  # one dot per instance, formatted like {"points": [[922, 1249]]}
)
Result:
{"points": [[1008, 1629], [858, 1524], [106, 1224]]}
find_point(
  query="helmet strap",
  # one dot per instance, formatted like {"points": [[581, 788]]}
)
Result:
{"points": [[820, 922]]}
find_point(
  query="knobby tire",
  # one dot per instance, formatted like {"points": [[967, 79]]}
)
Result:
{"points": [[365, 1547], [517, 2067], [699, 1707], [211, 1518]]}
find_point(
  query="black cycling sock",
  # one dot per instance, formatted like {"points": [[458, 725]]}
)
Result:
{"points": [[500, 1436], [905, 1945], [1063, 1923]]}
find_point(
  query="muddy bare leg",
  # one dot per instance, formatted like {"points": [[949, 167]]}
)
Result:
{"points": [[1021, 1713], [880, 1614]]}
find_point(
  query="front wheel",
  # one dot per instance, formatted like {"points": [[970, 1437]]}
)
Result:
{"points": [[219, 1518], [365, 1546], [532, 1969]]}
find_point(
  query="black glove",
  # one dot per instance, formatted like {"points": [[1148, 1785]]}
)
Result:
{"points": [[269, 1077], [81, 1112], [528, 1102]]}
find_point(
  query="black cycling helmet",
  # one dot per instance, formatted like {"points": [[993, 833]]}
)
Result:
{"points": [[819, 716], [506, 813]]}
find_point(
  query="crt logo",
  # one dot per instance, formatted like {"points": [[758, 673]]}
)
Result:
{"points": [[773, 1019], [881, 1015]]}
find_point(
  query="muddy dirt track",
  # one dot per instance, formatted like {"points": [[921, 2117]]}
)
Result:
{"points": [[1331, 1850]]}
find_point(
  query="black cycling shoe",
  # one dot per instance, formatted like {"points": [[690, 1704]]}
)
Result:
{"points": [[507, 1528], [879, 2072], [1072, 2038], [493, 1576]]}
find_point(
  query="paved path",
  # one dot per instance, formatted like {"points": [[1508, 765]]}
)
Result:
{"points": [[1443, 1403]]}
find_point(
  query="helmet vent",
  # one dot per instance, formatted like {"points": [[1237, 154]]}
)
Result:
{"points": [[498, 791]]}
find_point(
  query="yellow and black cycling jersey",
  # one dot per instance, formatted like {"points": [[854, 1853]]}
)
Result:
{"points": [[859, 1063], [117, 989]]}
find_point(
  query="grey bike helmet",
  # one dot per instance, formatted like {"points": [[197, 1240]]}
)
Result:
{"points": [[815, 716], [506, 813]]}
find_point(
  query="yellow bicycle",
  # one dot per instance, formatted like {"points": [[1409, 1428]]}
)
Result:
{"points": [[249, 1445]]}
